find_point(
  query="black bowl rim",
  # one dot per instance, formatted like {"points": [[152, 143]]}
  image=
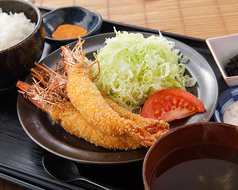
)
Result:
{"points": [[98, 25], [37, 26]]}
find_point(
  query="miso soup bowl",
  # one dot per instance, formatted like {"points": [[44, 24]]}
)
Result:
{"points": [[185, 136]]}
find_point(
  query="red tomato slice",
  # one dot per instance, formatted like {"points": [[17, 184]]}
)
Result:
{"points": [[171, 104]]}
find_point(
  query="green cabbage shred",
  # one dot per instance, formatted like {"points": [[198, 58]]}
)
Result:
{"points": [[132, 68]]}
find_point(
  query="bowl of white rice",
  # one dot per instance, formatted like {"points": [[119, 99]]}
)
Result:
{"points": [[22, 38]]}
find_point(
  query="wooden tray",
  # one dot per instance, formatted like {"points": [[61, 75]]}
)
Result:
{"points": [[20, 158]]}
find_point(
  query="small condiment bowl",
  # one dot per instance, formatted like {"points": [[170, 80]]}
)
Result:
{"points": [[217, 141], [89, 20], [17, 60], [226, 98], [223, 49]]}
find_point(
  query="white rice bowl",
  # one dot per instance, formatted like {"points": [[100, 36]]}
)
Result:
{"points": [[13, 28]]}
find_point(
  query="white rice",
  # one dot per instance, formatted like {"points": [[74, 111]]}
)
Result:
{"points": [[13, 28]]}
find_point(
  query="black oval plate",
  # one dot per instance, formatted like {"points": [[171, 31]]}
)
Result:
{"points": [[52, 137]]}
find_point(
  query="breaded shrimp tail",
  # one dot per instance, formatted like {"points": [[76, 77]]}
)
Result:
{"points": [[154, 127]]}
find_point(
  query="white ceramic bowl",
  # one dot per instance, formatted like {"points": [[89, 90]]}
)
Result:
{"points": [[223, 49]]}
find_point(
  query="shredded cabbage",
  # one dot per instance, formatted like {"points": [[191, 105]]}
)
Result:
{"points": [[132, 68]]}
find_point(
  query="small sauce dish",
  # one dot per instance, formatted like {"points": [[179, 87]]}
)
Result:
{"points": [[74, 15]]}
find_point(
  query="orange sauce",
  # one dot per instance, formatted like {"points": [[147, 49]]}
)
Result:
{"points": [[67, 31]]}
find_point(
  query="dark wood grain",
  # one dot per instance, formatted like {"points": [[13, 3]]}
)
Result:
{"points": [[6, 185]]}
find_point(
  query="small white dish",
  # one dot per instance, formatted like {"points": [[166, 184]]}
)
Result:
{"points": [[223, 49]]}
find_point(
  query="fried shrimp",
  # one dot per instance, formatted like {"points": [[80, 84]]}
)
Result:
{"points": [[86, 98], [71, 120], [89, 101], [57, 79], [68, 94]]}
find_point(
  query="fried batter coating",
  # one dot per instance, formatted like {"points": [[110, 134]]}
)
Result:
{"points": [[71, 120], [152, 126], [86, 98], [56, 80]]}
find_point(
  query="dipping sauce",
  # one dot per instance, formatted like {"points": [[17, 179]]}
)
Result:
{"points": [[231, 114], [197, 167], [67, 31]]}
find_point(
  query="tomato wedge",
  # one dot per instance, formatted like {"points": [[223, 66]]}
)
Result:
{"points": [[171, 104]]}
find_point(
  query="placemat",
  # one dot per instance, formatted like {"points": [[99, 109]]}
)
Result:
{"points": [[198, 18]]}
